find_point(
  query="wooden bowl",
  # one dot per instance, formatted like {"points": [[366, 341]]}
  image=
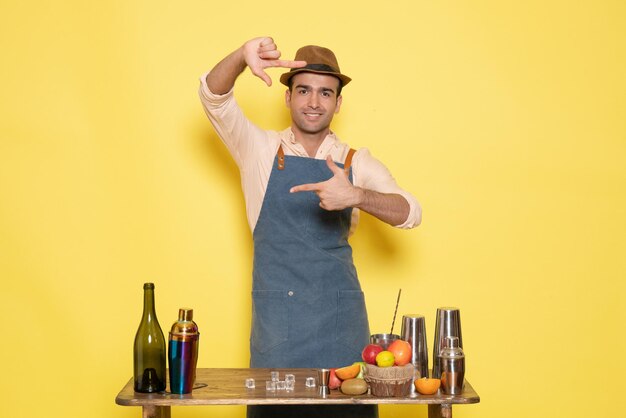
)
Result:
{"points": [[394, 381]]}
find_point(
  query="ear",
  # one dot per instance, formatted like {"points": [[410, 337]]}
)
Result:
{"points": [[339, 100], [287, 97]]}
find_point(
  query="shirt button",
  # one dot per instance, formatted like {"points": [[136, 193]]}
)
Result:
{"points": [[290, 293]]}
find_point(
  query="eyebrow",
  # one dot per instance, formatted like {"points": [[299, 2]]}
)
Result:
{"points": [[307, 87]]}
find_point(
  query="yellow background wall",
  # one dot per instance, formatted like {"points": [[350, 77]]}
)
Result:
{"points": [[506, 119]]}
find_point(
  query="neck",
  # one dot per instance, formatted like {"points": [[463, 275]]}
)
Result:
{"points": [[310, 141]]}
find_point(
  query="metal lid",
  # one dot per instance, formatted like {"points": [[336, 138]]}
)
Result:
{"points": [[185, 324], [185, 314], [451, 348]]}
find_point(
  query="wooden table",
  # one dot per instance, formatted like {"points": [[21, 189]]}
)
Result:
{"points": [[227, 387]]}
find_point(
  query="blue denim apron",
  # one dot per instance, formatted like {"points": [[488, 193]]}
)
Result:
{"points": [[308, 309]]}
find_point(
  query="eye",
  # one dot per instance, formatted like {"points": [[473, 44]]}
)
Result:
{"points": [[302, 91]]}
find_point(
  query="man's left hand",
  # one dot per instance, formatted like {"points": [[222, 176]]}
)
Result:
{"points": [[336, 193]]}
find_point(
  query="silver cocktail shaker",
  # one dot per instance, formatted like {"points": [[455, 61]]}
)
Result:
{"points": [[452, 360]]}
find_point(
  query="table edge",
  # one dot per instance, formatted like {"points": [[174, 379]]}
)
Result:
{"points": [[296, 401], [167, 399]]}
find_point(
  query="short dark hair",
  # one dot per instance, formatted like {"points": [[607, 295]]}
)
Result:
{"points": [[339, 87]]}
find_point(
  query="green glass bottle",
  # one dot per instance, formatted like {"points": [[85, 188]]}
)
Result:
{"points": [[149, 350]]}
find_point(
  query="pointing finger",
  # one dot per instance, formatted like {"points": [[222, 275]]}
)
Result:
{"points": [[285, 63], [311, 187]]}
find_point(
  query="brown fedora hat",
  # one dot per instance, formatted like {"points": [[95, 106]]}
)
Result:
{"points": [[319, 60]]}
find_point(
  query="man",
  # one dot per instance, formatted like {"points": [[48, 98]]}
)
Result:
{"points": [[303, 190]]}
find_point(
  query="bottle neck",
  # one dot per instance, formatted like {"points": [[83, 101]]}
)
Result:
{"points": [[149, 312]]}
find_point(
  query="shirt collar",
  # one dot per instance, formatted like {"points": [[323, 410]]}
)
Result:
{"points": [[288, 135], [329, 145]]}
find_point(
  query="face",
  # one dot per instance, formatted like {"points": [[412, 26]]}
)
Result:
{"points": [[313, 102]]}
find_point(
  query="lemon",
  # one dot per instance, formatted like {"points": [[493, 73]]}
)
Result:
{"points": [[385, 359]]}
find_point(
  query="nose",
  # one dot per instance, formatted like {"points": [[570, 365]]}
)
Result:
{"points": [[313, 101]]}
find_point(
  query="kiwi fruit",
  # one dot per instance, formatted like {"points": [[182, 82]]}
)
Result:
{"points": [[356, 386]]}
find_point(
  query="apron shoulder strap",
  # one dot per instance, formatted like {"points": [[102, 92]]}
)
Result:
{"points": [[281, 157], [346, 165], [348, 162]]}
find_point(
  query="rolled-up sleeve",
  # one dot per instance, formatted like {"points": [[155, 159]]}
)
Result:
{"points": [[231, 125], [371, 174]]}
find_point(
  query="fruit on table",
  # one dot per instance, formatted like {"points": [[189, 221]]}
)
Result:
{"points": [[427, 386], [362, 364], [348, 372], [385, 359], [334, 382], [401, 351], [356, 386], [370, 352]]}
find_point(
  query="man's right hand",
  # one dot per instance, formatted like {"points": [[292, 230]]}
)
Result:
{"points": [[258, 54], [262, 53]]}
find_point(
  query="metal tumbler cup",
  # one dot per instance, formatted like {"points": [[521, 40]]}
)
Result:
{"points": [[183, 352], [383, 339], [414, 332], [447, 324]]}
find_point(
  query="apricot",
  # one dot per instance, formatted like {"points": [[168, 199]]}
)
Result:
{"points": [[348, 372], [427, 386]]}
